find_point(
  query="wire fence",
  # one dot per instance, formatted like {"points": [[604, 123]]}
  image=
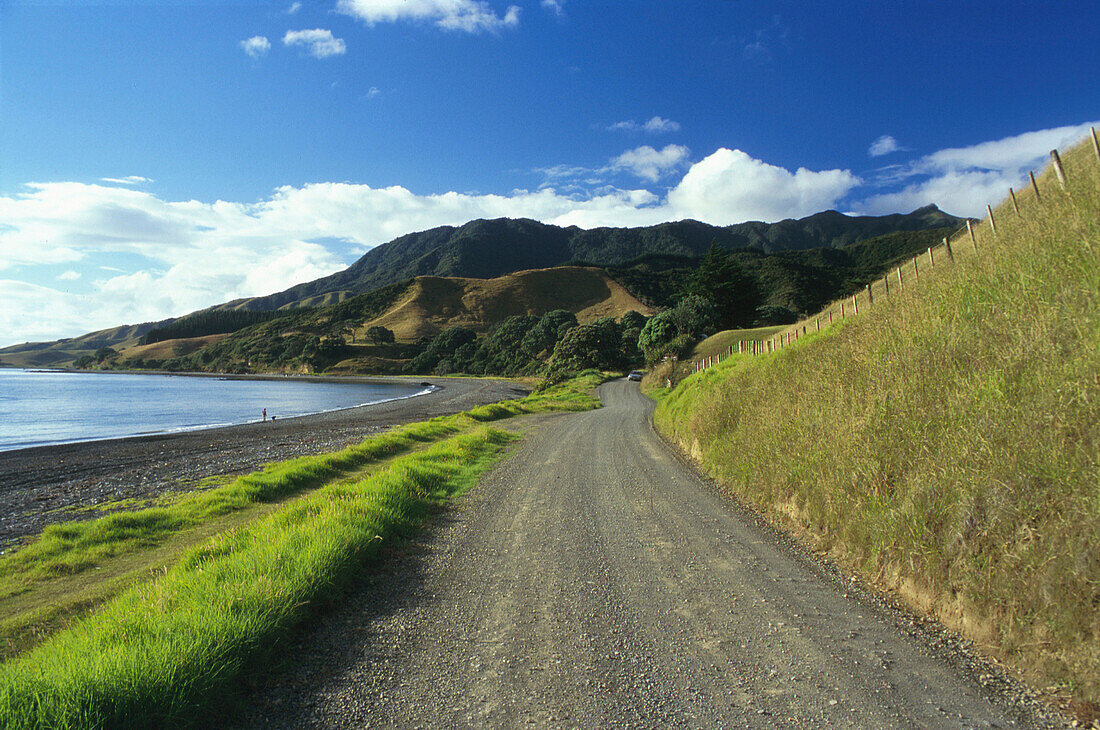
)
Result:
{"points": [[963, 243]]}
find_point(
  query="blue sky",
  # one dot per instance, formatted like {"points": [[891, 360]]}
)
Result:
{"points": [[160, 156]]}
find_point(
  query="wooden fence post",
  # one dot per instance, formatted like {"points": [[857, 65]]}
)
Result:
{"points": [[855, 305], [931, 259], [916, 270], [817, 324], [1035, 186], [1059, 171], [870, 297], [842, 315], [886, 285], [992, 223], [1095, 143], [830, 316], [970, 230], [1015, 205], [947, 247], [901, 284]]}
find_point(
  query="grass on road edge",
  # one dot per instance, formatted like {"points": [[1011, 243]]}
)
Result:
{"points": [[168, 651]]}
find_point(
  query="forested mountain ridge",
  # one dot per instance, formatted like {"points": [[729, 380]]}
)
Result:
{"points": [[489, 248]]}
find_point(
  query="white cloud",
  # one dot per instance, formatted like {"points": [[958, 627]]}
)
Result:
{"points": [[69, 276], [655, 125], [372, 92], [128, 180], [320, 43], [729, 186], [554, 6], [294, 8], [884, 145], [658, 125], [471, 16], [962, 180], [256, 46], [651, 164]]}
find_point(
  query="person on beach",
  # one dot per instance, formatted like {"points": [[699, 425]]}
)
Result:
{"points": [[265, 415]]}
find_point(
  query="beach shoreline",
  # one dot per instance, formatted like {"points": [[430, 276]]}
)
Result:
{"points": [[45, 485]]}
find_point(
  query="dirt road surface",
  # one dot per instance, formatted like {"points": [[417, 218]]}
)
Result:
{"points": [[592, 580]]}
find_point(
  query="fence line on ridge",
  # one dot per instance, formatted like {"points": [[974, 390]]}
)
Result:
{"points": [[945, 253]]}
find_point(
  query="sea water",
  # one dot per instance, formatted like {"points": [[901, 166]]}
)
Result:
{"points": [[40, 407]]}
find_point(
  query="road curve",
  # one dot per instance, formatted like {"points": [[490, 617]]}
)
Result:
{"points": [[591, 580]]}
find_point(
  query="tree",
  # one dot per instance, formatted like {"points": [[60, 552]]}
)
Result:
{"points": [[104, 352], [379, 335], [769, 315], [632, 319], [595, 345], [695, 316], [547, 331], [657, 335], [722, 280], [443, 346], [504, 352]]}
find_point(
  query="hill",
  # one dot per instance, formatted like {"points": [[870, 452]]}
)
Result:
{"points": [[488, 248], [432, 304], [946, 443], [317, 338], [63, 352]]}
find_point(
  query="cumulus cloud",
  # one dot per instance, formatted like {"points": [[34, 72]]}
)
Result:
{"points": [[294, 8], [963, 180], [470, 16], [554, 6], [256, 46], [884, 145], [69, 276], [655, 125], [320, 43], [651, 164], [729, 186]]}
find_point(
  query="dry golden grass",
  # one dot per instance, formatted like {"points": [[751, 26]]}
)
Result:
{"points": [[170, 348], [432, 303], [945, 443]]}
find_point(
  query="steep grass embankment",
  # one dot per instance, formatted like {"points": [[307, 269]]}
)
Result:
{"points": [[168, 652], [945, 444]]}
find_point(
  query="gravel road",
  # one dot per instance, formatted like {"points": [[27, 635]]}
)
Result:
{"points": [[592, 580], [48, 484]]}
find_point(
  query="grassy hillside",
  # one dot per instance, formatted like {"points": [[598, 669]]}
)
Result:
{"points": [[63, 352], [946, 444], [433, 304]]}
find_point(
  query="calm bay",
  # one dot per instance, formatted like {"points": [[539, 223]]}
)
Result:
{"points": [[40, 408]]}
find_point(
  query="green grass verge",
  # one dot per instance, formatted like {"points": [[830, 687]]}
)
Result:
{"points": [[721, 342], [166, 651], [947, 442]]}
